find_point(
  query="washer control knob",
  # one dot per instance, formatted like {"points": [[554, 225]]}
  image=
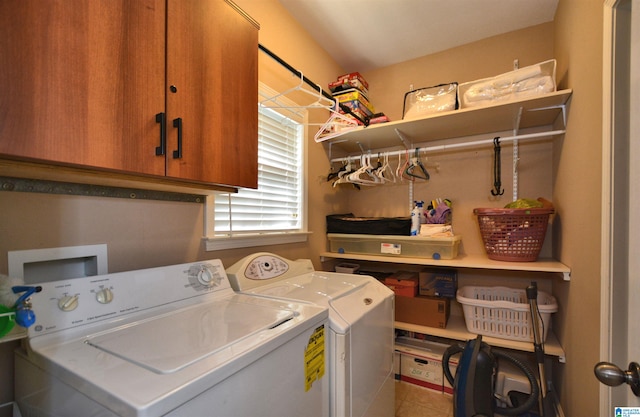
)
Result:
{"points": [[104, 296], [205, 276], [68, 302]]}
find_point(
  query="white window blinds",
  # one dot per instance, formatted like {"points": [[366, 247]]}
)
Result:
{"points": [[277, 204]]}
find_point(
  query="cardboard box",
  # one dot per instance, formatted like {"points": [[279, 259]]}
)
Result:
{"points": [[405, 287], [426, 349], [438, 282], [354, 76], [423, 371], [422, 310], [421, 362], [337, 86]]}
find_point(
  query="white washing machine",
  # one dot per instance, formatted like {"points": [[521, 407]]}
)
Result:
{"points": [[361, 328], [170, 341]]}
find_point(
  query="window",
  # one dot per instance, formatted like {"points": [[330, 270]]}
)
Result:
{"points": [[275, 211]]}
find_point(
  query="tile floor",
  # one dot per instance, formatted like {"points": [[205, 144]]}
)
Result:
{"points": [[415, 401]]}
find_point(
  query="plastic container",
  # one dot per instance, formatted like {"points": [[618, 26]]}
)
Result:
{"points": [[347, 268], [425, 101], [519, 84], [388, 245], [7, 320], [503, 312], [514, 235]]}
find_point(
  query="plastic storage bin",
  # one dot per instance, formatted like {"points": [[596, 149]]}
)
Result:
{"points": [[403, 246], [503, 312]]}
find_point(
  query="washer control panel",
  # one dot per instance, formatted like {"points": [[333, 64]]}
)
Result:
{"points": [[266, 267], [263, 267], [69, 303]]}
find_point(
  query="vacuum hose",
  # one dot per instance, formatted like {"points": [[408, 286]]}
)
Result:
{"points": [[507, 411]]}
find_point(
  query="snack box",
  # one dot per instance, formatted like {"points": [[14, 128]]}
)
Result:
{"points": [[378, 118], [355, 96], [357, 108], [337, 86], [354, 76]]}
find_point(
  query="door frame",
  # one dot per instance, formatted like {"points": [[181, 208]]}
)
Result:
{"points": [[614, 304]]}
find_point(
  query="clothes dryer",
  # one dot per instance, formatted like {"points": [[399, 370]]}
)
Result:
{"points": [[361, 326]]}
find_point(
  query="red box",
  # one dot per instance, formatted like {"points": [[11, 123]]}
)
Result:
{"points": [[354, 76], [404, 284]]}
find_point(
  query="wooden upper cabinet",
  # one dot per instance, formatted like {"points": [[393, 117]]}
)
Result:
{"points": [[212, 88], [83, 81]]}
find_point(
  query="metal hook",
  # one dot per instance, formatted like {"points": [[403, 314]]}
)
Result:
{"points": [[497, 182]]}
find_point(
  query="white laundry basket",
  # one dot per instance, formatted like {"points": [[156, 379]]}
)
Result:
{"points": [[503, 312]]}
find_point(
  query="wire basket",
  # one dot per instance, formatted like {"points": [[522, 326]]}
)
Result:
{"points": [[513, 234], [503, 312]]}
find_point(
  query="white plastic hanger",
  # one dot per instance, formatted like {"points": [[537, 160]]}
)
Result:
{"points": [[320, 101], [336, 125]]}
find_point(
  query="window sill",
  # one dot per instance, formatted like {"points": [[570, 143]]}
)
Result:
{"points": [[246, 241]]}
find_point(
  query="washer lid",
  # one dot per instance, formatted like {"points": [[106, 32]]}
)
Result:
{"points": [[315, 287], [168, 343]]}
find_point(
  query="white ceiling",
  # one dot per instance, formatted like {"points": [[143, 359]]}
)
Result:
{"points": [[362, 35]]}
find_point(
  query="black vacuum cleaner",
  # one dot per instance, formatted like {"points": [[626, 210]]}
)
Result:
{"points": [[474, 381]]}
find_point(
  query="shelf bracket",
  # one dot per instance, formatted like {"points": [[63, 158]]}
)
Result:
{"points": [[563, 109], [403, 139]]}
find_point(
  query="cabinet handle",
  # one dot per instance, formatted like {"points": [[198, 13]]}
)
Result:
{"points": [[161, 118], [177, 154]]}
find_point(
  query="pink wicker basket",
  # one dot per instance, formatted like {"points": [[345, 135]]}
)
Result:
{"points": [[514, 235]]}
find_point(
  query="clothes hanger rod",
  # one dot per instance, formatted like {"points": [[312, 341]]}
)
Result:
{"points": [[441, 148], [294, 71], [315, 86]]}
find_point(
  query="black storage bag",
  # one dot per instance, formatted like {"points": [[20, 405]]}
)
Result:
{"points": [[349, 224]]}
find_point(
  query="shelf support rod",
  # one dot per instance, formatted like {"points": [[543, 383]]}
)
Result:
{"points": [[516, 153]]}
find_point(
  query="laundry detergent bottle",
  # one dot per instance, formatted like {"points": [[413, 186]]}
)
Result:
{"points": [[416, 215]]}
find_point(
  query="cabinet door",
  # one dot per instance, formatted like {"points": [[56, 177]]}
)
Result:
{"points": [[212, 82], [81, 82]]}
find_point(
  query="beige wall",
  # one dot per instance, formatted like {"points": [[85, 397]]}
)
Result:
{"points": [[148, 233]]}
